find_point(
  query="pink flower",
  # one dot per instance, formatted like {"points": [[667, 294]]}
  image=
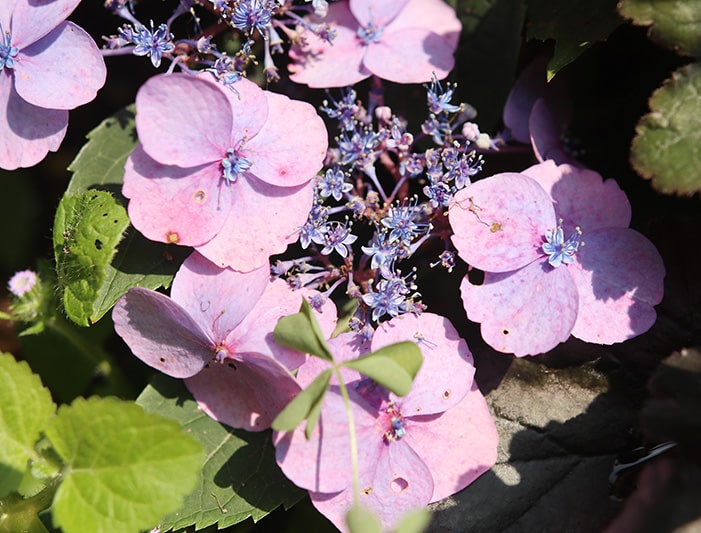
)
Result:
{"points": [[558, 257], [405, 41], [412, 450], [216, 332], [227, 173], [47, 66]]}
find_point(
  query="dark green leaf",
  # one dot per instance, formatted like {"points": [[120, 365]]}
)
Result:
{"points": [[304, 404], [394, 366], [665, 147], [239, 478], [301, 332]]}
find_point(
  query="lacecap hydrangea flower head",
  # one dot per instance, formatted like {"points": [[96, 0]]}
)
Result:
{"points": [[412, 450], [47, 66], [559, 259], [216, 333], [404, 41], [225, 171]]}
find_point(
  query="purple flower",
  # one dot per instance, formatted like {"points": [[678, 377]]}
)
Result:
{"points": [[599, 285], [22, 282], [412, 450], [226, 173], [216, 332], [153, 43], [47, 66]]}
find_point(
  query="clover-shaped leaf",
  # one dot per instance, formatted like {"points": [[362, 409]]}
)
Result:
{"points": [[394, 366], [665, 147], [124, 468], [25, 408], [306, 405], [301, 332]]}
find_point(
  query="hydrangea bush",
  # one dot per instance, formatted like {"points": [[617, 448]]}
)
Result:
{"points": [[298, 265]]}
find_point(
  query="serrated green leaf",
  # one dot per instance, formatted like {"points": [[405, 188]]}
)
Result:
{"points": [[239, 478], [394, 366], [301, 332], [125, 468], [87, 229], [574, 26], [303, 404], [25, 409], [362, 520], [674, 25], [665, 148], [414, 522]]}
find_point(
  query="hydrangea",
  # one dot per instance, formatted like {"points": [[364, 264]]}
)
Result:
{"points": [[404, 41], [47, 66], [224, 172], [559, 259], [216, 332], [412, 450]]}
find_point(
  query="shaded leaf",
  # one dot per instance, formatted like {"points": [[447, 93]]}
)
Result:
{"points": [[574, 26], [665, 147], [239, 478], [362, 520], [301, 332], [25, 409], [307, 403], [414, 522], [394, 366], [125, 468], [675, 25]]}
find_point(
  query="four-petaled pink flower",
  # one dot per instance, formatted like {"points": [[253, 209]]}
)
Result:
{"points": [[216, 332], [412, 450], [559, 259], [47, 66], [226, 172], [404, 41]]}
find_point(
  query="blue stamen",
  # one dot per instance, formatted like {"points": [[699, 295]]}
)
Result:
{"points": [[8, 53], [559, 250], [370, 33], [234, 166]]}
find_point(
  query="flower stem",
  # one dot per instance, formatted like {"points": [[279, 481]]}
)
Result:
{"points": [[353, 438]]}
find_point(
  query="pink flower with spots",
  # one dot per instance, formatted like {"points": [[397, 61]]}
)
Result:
{"points": [[47, 66], [229, 174], [216, 332], [412, 450], [559, 259], [404, 41]]}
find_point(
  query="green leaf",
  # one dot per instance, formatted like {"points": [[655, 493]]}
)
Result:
{"points": [[139, 261], [25, 409], [666, 144], [87, 229], [301, 332], [303, 405], [675, 25], [414, 522], [394, 366], [362, 520], [125, 468], [239, 478], [574, 26]]}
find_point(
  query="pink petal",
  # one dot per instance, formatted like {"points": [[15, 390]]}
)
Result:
{"points": [[183, 120], [161, 333], [290, 147], [619, 275], [263, 220], [546, 134], [249, 106], [525, 312], [500, 222], [458, 446], [529, 86], [46, 78], [320, 64], [396, 483], [187, 206], [411, 55], [255, 333], [27, 132], [32, 19], [447, 372], [246, 393], [581, 197], [377, 13], [6, 9], [434, 15], [217, 299]]}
